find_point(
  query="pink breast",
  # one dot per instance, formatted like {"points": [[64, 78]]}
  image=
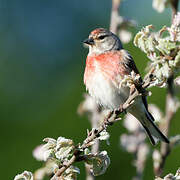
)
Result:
{"points": [[109, 64]]}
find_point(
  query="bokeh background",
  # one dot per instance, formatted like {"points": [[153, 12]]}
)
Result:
{"points": [[42, 62]]}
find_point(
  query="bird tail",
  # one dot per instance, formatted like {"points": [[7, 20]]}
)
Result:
{"points": [[152, 130], [140, 111]]}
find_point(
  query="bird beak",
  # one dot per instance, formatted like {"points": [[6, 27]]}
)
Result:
{"points": [[89, 41]]}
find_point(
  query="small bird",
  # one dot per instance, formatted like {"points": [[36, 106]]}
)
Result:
{"points": [[107, 64]]}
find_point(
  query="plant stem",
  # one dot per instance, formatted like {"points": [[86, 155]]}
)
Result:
{"points": [[169, 111], [114, 16]]}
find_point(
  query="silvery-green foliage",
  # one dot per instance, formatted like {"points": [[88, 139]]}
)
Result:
{"points": [[175, 141], [171, 176], [48, 169], [162, 48], [104, 135], [57, 152], [64, 148], [129, 80], [60, 149], [70, 173], [51, 167], [99, 163], [26, 175], [54, 153]]}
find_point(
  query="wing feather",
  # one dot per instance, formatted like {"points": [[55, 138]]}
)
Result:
{"points": [[131, 66]]}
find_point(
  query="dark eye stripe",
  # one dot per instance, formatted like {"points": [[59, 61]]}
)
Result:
{"points": [[102, 36]]}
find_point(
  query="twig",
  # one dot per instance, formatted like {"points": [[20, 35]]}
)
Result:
{"points": [[174, 6], [140, 160], [108, 121], [114, 22], [165, 125], [94, 120], [165, 148], [112, 117], [63, 168]]}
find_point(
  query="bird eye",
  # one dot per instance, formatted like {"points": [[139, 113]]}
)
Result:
{"points": [[102, 37]]}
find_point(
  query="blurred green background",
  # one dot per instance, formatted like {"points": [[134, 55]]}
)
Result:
{"points": [[42, 62]]}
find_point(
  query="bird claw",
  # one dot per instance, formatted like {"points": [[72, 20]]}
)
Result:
{"points": [[119, 110], [106, 120]]}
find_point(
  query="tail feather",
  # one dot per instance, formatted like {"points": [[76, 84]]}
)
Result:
{"points": [[149, 135], [153, 131], [140, 111]]}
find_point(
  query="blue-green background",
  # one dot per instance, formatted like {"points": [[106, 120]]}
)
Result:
{"points": [[42, 62]]}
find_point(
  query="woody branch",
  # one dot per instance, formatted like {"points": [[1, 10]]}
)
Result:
{"points": [[95, 114], [109, 120], [165, 148]]}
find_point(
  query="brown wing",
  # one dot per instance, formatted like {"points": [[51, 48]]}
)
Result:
{"points": [[131, 66]]}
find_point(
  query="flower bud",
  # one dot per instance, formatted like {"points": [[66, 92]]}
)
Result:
{"points": [[26, 175]]}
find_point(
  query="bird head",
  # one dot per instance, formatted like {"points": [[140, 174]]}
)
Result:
{"points": [[101, 40]]}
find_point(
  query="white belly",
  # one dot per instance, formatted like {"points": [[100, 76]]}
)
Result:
{"points": [[106, 93]]}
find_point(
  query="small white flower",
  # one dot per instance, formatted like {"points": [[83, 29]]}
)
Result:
{"points": [[61, 141], [131, 123], [70, 173], [173, 104], [48, 154], [159, 5], [156, 158], [87, 151], [171, 176], [60, 149], [72, 169], [177, 176], [104, 135], [64, 148], [145, 40], [130, 142], [177, 84], [64, 153], [88, 105], [177, 60], [100, 163], [156, 112], [162, 51], [176, 20], [40, 173], [125, 36], [26, 175], [50, 143], [38, 153], [165, 46], [177, 81], [128, 80], [142, 153]]}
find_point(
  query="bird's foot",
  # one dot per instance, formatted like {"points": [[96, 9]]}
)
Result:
{"points": [[119, 110], [106, 120]]}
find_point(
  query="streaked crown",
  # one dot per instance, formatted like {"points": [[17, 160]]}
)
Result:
{"points": [[101, 40]]}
